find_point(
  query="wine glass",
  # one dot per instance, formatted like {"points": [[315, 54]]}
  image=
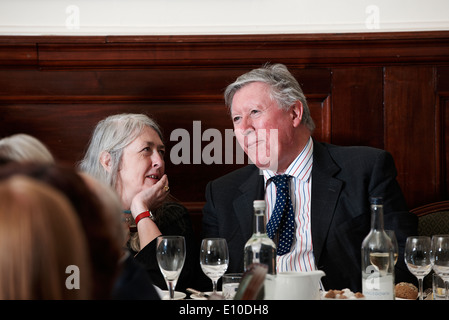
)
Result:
{"points": [[440, 258], [417, 258], [214, 259], [394, 241], [171, 254]]}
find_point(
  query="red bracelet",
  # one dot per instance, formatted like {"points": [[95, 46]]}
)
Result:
{"points": [[145, 214]]}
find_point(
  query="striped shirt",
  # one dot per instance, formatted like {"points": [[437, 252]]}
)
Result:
{"points": [[300, 258]]}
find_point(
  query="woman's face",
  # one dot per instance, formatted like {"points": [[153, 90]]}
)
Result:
{"points": [[142, 164]]}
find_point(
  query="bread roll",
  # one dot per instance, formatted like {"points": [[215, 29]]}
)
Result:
{"points": [[406, 290]]}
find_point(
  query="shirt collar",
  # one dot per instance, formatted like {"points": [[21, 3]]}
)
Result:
{"points": [[300, 168]]}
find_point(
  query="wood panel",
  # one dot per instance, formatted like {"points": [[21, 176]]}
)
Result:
{"points": [[68, 103], [410, 128], [442, 144], [357, 95], [442, 131], [253, 50], [386, 90]]}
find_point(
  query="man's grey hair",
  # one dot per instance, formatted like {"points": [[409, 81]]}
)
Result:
{"points": [[113, 134], [285, 89]]}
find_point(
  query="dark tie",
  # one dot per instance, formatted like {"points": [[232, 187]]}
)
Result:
{"points": [[283, 217]]}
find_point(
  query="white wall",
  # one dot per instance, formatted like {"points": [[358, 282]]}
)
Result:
{"points": [[160, 17]]}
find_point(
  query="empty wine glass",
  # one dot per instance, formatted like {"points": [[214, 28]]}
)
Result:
{"points": [[214, 259], [417, 258], [440, 258], [394, 241], [171, 254]]}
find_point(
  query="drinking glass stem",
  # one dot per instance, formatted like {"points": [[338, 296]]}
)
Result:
{"points": [[214, 286], [446, 291], [420, 284], [171, 289]]}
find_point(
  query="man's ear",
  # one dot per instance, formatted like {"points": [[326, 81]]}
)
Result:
{"points": [[105, 160], [296, 113]]}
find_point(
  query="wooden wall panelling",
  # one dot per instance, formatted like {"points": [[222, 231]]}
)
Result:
{"points": [[19, 54], [377, 89], [246, 50], [321, 111], [410, 130], [112, 85], [442, 143], [442, 131], [316, 84], [357, 112], [65, 105]]}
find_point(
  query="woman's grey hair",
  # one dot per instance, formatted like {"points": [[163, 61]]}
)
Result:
{"points": [[285, 89], [113, 135]]}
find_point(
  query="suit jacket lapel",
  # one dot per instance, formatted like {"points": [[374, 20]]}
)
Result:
{"points": [[325, 192], [252, 189]]}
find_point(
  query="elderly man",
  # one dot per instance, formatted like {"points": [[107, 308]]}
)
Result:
{"points": [[329, 185]]}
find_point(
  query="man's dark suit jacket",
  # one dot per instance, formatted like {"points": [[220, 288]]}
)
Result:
{"points": [[343, 179]]}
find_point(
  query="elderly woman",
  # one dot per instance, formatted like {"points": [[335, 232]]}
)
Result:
{"points": [[127, 152]]}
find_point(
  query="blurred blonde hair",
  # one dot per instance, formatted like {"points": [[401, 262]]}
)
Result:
{"points": [[40, 236], [22, 147]]}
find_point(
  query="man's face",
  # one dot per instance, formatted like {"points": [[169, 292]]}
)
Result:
{"points": [[264, 131]]}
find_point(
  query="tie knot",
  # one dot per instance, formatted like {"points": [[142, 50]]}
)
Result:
{"points": [[281, 180]]}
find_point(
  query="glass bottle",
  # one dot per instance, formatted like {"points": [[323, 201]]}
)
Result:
{"points": [[377, 257], [260, 248]]}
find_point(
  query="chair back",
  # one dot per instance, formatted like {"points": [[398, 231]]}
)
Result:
{"points": [[433, 218]]}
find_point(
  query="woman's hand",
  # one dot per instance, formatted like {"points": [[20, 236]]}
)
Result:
{"points": [[150, 198]]}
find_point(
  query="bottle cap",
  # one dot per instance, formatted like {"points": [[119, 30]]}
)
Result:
{"points": [[376, 200], [259, 204]]}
